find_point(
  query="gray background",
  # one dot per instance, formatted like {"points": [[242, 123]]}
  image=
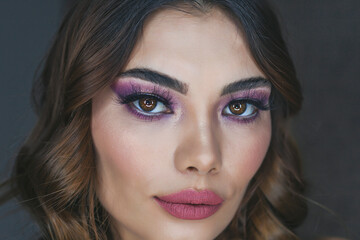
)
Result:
{"points": [[323, 37]]}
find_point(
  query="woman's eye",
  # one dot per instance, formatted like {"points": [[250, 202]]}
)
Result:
{"points": [[149, 104], [240, 108]]}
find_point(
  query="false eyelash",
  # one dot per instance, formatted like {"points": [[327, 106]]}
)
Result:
{"points": [[257, 103], [247, 119], [127, 101], [136, 93], [261, 101]]}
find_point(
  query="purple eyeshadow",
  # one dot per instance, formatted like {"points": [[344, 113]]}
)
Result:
{"points": [[258, 95], [260, 98], [129, 91], [125, 88], [243, 120], [143, 116]]}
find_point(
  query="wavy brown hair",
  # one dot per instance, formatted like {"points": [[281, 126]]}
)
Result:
{"points": [[55, 172]]}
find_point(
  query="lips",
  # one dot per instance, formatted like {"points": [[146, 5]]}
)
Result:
{"points": [[190, 204]]}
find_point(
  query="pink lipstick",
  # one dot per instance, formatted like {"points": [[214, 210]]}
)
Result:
{"points": [[190, 204]]}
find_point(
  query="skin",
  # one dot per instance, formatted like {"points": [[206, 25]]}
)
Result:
{"points": [[196, 147]]}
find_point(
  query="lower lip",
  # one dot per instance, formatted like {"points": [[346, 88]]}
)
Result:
{"points": [[188, 211]]}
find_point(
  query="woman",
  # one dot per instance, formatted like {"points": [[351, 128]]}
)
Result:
{"points": [[165, 120]]}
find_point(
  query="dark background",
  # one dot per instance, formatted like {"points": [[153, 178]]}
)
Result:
{"points": [[324, 40]]}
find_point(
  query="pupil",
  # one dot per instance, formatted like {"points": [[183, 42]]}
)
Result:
{"points": [[148, 102]]}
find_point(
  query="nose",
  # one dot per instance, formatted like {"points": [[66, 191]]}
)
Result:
{"points": [[199, 150]]}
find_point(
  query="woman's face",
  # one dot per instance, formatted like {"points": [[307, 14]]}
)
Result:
{"points": [[181, 133]]}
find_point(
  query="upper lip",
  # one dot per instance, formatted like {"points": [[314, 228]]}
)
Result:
{"points": [[191, 196]]}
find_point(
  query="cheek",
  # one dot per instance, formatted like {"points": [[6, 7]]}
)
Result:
{"points": [[125, 165], [246, 150], [118, 152], [128, 156], [253, 152], [122, 157]]}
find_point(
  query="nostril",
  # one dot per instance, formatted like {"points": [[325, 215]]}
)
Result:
{"points": [[192, 169], [211, 170]]}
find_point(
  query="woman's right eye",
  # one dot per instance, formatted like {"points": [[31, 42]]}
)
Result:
{"points": [[147, 105], [150, 105]]}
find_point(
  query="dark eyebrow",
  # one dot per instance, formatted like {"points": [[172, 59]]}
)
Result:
{"points": [[181, 87], [245, 84], [158, 78]]}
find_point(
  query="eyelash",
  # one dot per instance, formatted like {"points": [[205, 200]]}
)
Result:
{"points": [[137, 95], [257, 104], [167, 102]]}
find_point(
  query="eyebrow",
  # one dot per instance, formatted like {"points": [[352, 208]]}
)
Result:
{"points": [[157, 78], [181, 87], [245, 84]]}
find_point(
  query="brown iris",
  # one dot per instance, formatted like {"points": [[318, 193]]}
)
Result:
{"points": [[147, 104], [237, 108]]}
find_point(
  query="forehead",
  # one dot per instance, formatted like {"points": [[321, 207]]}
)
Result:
{"points": [[194, 46]]}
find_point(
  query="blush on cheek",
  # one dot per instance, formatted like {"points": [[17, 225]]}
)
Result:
{"points": [[119, 161], [254, 165], [248, 167], [252, 153]]}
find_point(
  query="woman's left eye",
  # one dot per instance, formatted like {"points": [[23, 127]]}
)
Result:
{"points": [[240, 108]]}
